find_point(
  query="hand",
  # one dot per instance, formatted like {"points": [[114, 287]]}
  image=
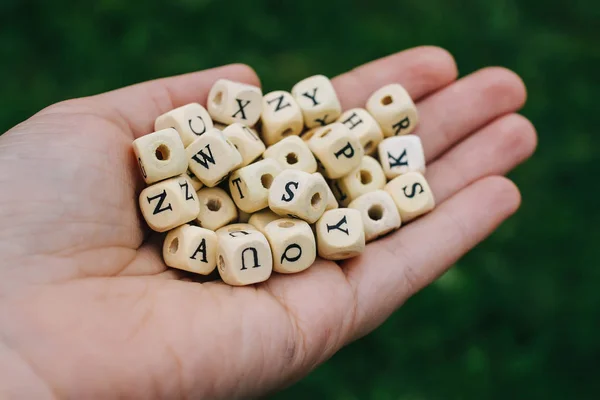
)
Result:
{"points": [[87, 307]]}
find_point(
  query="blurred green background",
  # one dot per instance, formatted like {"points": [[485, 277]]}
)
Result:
{"points": [[518, 317]]}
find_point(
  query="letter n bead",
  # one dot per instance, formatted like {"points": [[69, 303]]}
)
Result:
{"points": [[191, 248], [168, 204], [340, 234], [394, 110], [281, 117], [292, 244], [160, 155], [412, 195], [338, 150], [379, 213], [212, 157], [190, 121], [298, 194], [243, 256], [317, 100], [230, 102]]}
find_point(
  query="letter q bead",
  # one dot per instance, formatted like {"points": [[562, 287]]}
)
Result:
{"points": [[292, 244], [230, 102], [191, 248], [298, 194], [379, 213], [160, 155], [340, 234]]}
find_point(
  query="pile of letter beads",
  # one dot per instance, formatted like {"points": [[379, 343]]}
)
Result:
{"points": [[254, 183]]}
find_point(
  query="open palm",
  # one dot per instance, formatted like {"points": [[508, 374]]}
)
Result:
{"points": [[88, 308]]}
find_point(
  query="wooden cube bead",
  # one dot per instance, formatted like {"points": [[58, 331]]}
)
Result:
{"points": [[281, 117], [340, 234], [196, 184], [412, 195], [317, 100], [249, 186], [298, 194], [246, 141], [292, 153], [401, 154], [394, 110], [378, 212], [364, 126], [262, 218], [308, 133], [216, 208], [191, 248], [212, 157], [367, 177], [331, 200], [243, 217], [230, 102], [160, 155], [190, 121], [243, 255], [292, 244], [168, 204], [337, 149]]}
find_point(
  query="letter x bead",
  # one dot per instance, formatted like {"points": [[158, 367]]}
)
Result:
{"points": [[230, 102]]}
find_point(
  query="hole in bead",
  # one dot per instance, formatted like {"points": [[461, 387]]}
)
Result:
{"points": [[291, 158], [221, 263], [375, 212], [213, 205], [315, 200], [306, 135], [365, 177], [387, 100], [324, 133], [174, 246], [285, 224], [368, 146], [266, 180], [287, 132], [162, 152], [218, 99]]}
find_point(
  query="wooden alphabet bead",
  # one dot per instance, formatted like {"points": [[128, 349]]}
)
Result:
{"points": [[364, 126], [262, 218], [331, 200], [190, 121], [244, 256], [378, 212], [249, 186], [340, 234], [367, 177], [394, 110], [243, 217], [292, 153], [212, 157], [412, 195], [317, 100], [216, 208], [225, 230], [292, 244], [160, 155], [338, 150], [401, 154], [230, 102], [246, 141], [191, 248], [281, 117], [196, 184], [298, 194], [168, 204]]}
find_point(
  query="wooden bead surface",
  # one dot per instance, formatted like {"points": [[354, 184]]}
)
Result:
{"points": [[216, 208], [337, 149], [378, 212], [364, 126], [246, 141], [249, 186], [340, 234], [317, 100], [212, 157], [230, 102], [298, 194], [292, 244], [401, 154], [367, 177], [281, 117], [191, 248], [331, 200], [394, 110], [196, 184], [292, 153], [168, 204], [160, 155], [262, 218], [190, 121], [412, 195]]}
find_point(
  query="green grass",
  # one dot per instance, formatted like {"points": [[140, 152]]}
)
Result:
{"points": [[518, 317]]}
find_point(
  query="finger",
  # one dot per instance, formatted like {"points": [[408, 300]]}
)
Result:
{"points": [[395, 267], [494, 150], [420, 70], [140, 104], [451, 114]]}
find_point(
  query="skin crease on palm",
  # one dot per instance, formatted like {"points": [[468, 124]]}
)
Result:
{"points": [[88, 308]]}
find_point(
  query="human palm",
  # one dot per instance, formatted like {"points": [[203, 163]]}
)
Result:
{"points": [[88, 308]]}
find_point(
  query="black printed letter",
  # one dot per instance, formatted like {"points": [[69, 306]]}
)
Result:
{"points": [[400, 161], [279, 106], [289, 191], [197, 131], [241, 106], [201, 249], [338, 226], [353, 124], [347, 151], [413, 189], [188, 195], [205, 158], [255, 254], [403, 124], [161, 199], [313, 97], [293, 258], [237, 182]]}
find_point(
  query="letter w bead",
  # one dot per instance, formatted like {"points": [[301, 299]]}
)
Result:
{"points": [[161, 197], [204, 159], [241, 107]]}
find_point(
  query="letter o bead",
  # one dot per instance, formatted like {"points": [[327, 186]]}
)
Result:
{"points": [[340, 234], [230, 102], [412, 195], [168, 204], [292, 153], [243, 255], [160, 155], [212, 157], [379, 213], [216, 208], [292, 244], [364, 126], [298, 194], [281, 117], [317, 100], [190, 121], [338, 150], [191, 248], [394, 110]]}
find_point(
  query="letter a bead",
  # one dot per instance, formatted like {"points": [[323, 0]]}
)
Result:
{"points": [[364, 126], [192, 249], [190, 121], [338, 150], [292, 153], [317, 100], [212, 157], [230, 102], [298, 194], [281, 117], [160, 155], [394, 110], [379, 213], [244, 256], [412, 195], [340, 234], [249, 186], [168, 204], [292, 244], [401, 154]]}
